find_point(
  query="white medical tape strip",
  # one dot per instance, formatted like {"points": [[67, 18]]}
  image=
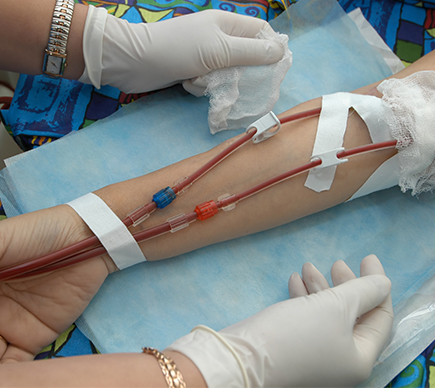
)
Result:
{"points": [[330, 133], [372, 110], [332, 127], [386, 176], [109, 229]]}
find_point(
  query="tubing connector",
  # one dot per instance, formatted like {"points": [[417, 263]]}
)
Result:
{"points": [[227, 202], [164, 197], [138, 215], [264, 127], [329, 158], [206, 210], [178, 222], [180, 182]]}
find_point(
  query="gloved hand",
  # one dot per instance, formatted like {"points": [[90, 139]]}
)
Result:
{"points": [[147, 56], [322, 337]]}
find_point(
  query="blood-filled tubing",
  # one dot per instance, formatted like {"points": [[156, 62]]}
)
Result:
{"points": [[91, 246]]}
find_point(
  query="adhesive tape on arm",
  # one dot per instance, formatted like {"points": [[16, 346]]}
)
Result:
{"points": [[332, 127], [330, 133], [109, 229]]}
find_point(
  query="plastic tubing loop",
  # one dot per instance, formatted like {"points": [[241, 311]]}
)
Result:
{"points": [[77, 252]]}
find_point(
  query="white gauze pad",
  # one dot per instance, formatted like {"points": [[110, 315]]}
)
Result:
{"points": [[109, 229], [240, 95], [410, 114]]}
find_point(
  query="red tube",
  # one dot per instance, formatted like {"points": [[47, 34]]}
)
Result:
{"points": [[301, 115], [82, 250], [213, 162], [151, 206], [141, 236], [71, 251]]}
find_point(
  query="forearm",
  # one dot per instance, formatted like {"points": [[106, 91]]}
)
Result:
{"points": [[108, 370], [249, 166], [25, 29]]}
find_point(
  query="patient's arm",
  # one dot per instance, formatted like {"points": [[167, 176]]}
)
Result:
{"points": [[50, 304], [250, 165]]}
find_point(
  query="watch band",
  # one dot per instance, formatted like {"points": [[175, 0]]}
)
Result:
{"points": [[55, 53]]}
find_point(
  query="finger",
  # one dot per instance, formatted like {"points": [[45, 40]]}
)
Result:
{"points": [[253, 52], [14, 354], [195, 86], [372, 330], [371, 265], [363, 294], [341, 273], [3, 346], [314, 281], [296, 286], [242, 25]]}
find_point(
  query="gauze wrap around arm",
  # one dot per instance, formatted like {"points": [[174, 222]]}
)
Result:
{"points": [[404, 113]]}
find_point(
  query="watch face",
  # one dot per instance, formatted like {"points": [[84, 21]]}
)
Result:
{"points": [[53, 65]]}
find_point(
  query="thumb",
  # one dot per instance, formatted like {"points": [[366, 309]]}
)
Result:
{"points": [[370, 298], [366, 293], [195, 86], [253, 52], [373, 329]]}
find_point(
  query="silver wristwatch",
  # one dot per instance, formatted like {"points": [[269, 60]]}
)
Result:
{"points": [[55, 53]]}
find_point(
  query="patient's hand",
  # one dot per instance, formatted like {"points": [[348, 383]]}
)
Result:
{"points": [[34, 312]]}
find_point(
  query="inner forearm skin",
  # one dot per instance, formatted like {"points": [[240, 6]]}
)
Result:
{"points": [[247, 167], [250, 165]]}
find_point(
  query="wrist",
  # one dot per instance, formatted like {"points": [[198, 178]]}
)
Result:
{"points": [[74, 48], [94, 25], [215, 361], [79, 231], [191, 374]]}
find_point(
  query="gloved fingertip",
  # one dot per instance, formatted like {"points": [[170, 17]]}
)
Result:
{"points": [[313, 279], [341, 273], [382, 282], [196, 90], [268, 29], [366, 293], [371, 265], [273, 51], [296, 286], [294, 276], [309, 270]]}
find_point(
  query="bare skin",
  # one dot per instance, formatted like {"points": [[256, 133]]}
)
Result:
{"points": [[67, 292], [35, 311], [36, 16]]}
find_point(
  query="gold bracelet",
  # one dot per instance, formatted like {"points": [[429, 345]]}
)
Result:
{"points": [[173, 376]]}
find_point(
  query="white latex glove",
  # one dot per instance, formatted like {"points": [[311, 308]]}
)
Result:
{"points": [[147, 56], [323, 337]]}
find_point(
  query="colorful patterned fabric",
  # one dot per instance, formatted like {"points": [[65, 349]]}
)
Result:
{"points": [[2, 212], [44, 109], [70, 343], [407, 26], [420, 373]]}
